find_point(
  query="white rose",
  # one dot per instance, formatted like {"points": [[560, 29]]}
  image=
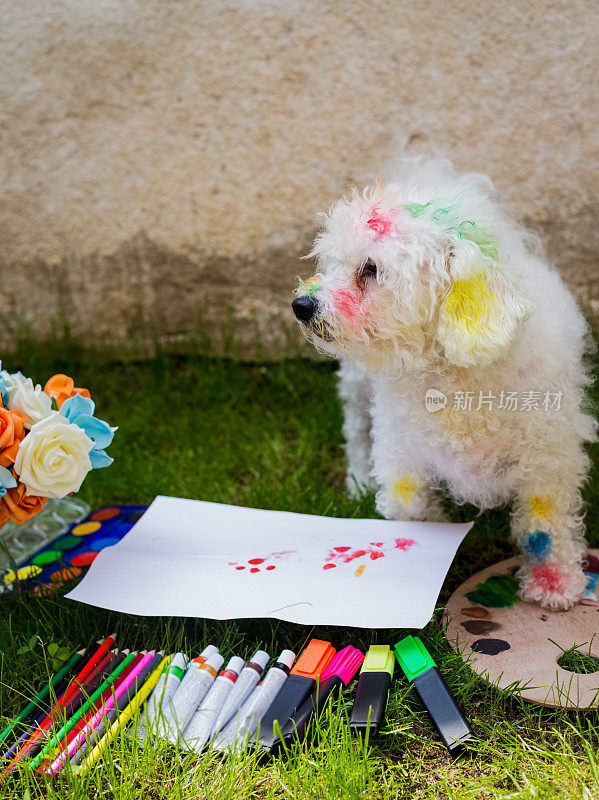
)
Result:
{"points": [[13, 379], [30, 401], [53, 458]]}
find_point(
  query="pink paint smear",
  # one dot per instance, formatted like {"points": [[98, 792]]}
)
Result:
{"points": [[381, 224], [347, 304], [375, 550], [548, 577]]}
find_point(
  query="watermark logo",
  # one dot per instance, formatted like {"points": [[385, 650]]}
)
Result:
{"points": [[434, 400], [530, 400]]}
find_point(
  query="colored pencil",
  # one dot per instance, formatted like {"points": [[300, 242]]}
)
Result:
{"points": [[123, 719], [33, 726], [83, 721], [69, 695], [76, 743], [92, 681], [103, 648], [36, 702], [34, 736], [119, 666], [114, 712]]}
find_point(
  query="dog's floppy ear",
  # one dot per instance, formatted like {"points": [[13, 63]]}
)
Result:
{"points": [[482, 310]]}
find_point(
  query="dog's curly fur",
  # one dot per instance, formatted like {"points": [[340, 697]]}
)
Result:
{"points": [[428, 284]]}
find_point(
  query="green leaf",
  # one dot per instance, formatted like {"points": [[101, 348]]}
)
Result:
{"points": [[63, 653], [53, 648]]}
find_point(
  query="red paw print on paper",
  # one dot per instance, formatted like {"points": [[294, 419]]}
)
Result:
{"points": [[373, 551], [259, 564]]}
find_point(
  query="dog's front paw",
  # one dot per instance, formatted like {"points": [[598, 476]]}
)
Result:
{"points": [[390, 507], [551, 586]]}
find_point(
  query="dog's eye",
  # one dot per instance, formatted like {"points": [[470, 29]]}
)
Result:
{"points": [[367, 270]]}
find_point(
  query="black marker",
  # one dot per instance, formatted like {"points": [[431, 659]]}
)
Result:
{"points": [[302, 679], [336, 676], [373, 689], [421, 670]]}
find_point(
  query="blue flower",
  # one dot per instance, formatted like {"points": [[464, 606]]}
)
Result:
{"points": [[7, 481], [79, 410]]}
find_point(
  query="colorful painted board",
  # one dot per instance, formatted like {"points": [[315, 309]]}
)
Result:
{"points": [[68, 555], [515, 645]]}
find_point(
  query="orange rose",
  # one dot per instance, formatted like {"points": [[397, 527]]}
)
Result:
{"points": [[61, 387], [17, 506], [11, 433]]}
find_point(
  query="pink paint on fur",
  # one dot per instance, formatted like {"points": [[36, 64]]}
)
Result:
{"points": [[347, 304], [381, 224], [549, 578]]}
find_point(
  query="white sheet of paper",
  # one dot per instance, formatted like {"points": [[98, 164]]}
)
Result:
{"points": [[196, 559]]}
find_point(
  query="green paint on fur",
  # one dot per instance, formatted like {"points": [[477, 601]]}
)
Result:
{"points": [[448, 218], [498, 591], [416, 209], [309, 287]]}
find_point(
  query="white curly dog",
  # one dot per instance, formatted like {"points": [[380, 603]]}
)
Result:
{"points": [[461, 363]]}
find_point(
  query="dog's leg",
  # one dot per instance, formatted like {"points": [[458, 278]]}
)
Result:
{"points": [[354, 388], [404, 491], [406, 494], [547, 525]]}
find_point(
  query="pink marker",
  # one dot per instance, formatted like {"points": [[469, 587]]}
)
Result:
{"points": [[97, 718], [338, 673]]}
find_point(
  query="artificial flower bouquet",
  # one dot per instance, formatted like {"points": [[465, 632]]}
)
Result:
{"points": [[49, 441]]}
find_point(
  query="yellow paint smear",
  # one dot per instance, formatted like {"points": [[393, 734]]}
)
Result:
{"points": [[359, 571], [470, 302], [541, 506], [404, 489]]}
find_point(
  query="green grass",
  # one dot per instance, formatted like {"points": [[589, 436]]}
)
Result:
{"points": [[269, 436]]}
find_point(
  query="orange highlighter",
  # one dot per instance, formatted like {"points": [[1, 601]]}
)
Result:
{"points": [[301, 681]]}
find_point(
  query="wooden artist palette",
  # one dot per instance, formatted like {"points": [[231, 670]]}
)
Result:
{"points": [[515, 645]]}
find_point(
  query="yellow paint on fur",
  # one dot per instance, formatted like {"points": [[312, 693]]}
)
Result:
{"points": [[470, 302], [404, 489], [360, 570], [541, 506]]}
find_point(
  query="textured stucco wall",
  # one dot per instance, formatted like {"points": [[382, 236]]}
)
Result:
{"points": [[163, 156]]}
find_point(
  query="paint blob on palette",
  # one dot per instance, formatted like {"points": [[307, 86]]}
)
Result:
{"points": [[516, 645], [66, 558], [359, 557]]}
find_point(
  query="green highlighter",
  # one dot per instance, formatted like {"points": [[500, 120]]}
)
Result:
{"points": [[422, 672]]}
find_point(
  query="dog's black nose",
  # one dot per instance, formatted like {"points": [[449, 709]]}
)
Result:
{"points": [[304, 308]]}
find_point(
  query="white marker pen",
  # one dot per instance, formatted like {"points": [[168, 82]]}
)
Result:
{"points": [[198, 731], [197, 681], [247, 680]]}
